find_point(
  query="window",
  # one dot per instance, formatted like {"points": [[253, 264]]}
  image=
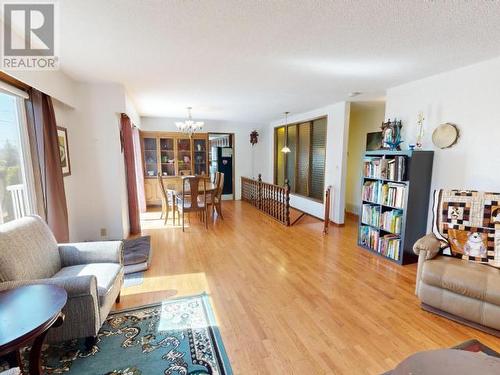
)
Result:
{"points": [[15, 191], [304, 165]]}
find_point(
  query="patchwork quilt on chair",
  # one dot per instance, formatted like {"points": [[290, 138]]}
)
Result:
{"points": [[468, 224]]}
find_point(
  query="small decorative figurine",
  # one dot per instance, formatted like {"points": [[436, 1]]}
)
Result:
{"points": [[391, 135], [254, 137], [420, 130]]}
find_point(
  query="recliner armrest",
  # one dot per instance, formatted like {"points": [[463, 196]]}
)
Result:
{"points": [[73, 254], [428, 244]]}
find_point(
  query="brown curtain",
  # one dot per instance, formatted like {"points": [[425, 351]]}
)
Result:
{"points": [[139, 177], [128, 153], [44, 145]]}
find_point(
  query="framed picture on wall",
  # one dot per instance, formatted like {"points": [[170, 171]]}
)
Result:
{"points": [[374, 141], [62, 137]]}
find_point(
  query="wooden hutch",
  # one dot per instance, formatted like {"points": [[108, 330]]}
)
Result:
{"points": [[173, 155]]}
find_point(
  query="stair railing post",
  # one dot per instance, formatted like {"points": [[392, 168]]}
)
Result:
{"points": [[259, 192], [326, 221], [287, 203]]}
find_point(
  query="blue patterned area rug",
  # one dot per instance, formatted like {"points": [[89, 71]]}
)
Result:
{"points": [[174, 337]]}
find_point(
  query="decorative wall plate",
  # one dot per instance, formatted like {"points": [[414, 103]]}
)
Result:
{"points": [[445, 135]]}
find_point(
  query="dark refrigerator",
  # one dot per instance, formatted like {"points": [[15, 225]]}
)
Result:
{"points": [[225, 165]]}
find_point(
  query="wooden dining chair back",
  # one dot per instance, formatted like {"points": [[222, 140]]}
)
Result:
{"points": [[191, 200], [216, 179], [211, 196], [167, 201], [218, 196]]}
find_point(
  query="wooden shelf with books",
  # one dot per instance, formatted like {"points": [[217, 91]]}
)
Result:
{"points": [[395, 191]]}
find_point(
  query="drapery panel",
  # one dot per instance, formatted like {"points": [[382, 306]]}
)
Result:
{"points": [[44, 147], [139, 176], [130, 167]]}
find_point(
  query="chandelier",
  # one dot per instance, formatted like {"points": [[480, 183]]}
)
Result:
{"points": [[286, 149], [189, 126]]}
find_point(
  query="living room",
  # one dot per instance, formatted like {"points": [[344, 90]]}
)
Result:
{"points": [[219, 187]]}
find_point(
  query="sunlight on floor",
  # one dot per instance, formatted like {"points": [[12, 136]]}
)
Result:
{"points": [[185, 284], [151, 220]]}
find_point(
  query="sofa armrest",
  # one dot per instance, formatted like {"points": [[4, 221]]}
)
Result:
{"points": [[429, 245], [78, 286], [82, 308], [73, 254]]}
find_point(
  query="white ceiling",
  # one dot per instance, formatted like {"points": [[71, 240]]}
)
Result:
{"points": [[251, 60]]}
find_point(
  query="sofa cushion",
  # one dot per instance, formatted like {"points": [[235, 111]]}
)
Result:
{"points": [[459, 276], [105, 273], [28, 250]]}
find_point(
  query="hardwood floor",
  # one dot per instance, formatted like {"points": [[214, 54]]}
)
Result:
{"points": [[292, 301]]}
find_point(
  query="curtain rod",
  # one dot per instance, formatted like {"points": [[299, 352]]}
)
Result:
{"points": [[13, 90]]}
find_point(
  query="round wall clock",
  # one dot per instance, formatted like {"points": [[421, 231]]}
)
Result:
{"points": [[445, 135]]}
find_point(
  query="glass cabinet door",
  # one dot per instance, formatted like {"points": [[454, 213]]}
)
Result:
{"points": [[200, 157], [167, 157], [150, 157], [184, 157]]}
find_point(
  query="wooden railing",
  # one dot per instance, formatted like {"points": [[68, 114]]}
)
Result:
{"points": [[19, 202], [326, 219], [271, 199]]}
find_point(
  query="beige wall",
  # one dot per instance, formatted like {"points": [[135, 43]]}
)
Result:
{"points": [[467, 97], [365, 118], [96, 192]]}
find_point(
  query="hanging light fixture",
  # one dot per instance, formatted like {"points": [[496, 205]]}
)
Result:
{"points": [[189, 126], [286, 149]]}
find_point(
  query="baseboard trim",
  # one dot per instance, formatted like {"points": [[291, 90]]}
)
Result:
{"points": [[455, 318], [351, 215], [337, 224]]}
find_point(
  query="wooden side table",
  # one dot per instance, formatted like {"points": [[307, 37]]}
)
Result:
{"points": [[26, 315]]}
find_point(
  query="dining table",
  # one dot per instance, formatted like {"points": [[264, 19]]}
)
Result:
{"points": [[174, 189]]}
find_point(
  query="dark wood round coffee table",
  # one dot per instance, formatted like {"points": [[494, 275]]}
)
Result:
{"points": [[26, 314]]}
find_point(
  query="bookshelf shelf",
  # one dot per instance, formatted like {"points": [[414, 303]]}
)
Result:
{"points": [[394, 186], [384, 179], [389, 232]]}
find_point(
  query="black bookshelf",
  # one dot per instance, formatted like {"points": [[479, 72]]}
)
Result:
{"points": [[400, 183]]}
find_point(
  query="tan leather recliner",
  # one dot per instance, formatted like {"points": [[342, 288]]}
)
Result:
{"points": [[457, 289]]}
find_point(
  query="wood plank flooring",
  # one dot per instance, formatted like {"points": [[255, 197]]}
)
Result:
{"points": [[292, 301]]}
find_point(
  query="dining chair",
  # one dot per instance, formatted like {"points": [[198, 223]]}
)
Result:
{"points": [[217, 198], [188, 201], [167, 201], [210, 196]]}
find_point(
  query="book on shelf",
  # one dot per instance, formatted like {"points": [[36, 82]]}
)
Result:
{"points": [[396, 168], [374, 167], [391, 221], [389, 245], [393, 194], [393, 168], [369, 237], [370, 215], [371, 191]]}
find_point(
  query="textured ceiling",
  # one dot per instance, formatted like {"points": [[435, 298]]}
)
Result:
{"points": [[252, 60]]}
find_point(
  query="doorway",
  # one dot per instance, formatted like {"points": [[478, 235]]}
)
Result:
{"points": [[364, 120], [221, 155]]}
